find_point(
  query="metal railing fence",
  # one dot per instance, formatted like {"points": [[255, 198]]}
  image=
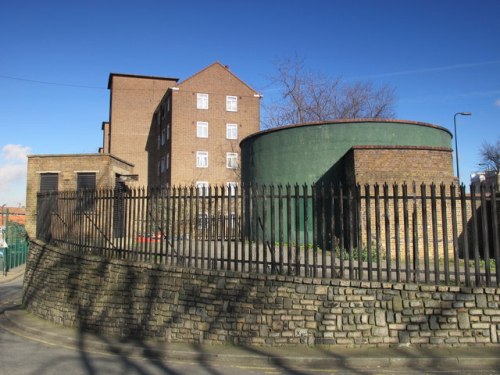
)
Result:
{"points": [[404, 233]]}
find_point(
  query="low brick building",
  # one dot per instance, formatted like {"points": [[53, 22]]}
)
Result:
{"points": [[71, 172]]}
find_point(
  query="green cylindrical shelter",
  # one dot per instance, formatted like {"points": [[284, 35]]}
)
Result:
{"points": [[313, 152]]}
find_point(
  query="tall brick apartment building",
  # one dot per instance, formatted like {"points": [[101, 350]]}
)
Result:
{"points": [[185, 133]]}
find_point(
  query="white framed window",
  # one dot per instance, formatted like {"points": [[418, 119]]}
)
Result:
{"points": [[162, 165], [202, 101], [231, 188], [163, 131], [168, 132], [232, 103], [202, 187], [231, 160], [202, 129], [202, 159], [231, 131]]}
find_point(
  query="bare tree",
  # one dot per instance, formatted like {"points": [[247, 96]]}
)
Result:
{"points": [[307, 97], [490, 156]]}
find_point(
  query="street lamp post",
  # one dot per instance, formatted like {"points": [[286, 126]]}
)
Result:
{"points": [[456, 139]]}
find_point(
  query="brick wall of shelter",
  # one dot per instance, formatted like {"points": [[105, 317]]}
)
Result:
{"points": [[67, 166], [133, 102], [390, 164], [415, 166], [191, 305]]}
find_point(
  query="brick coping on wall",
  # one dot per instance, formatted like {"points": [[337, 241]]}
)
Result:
{"points": [[176, 304]]}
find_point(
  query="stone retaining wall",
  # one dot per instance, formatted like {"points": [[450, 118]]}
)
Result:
{"points": [[127, 298]]}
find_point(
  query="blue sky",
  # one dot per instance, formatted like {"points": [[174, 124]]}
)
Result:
{"points": [[441, 56]]}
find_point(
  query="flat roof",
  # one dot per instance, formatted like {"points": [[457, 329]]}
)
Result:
{"points": [[111, 75]]}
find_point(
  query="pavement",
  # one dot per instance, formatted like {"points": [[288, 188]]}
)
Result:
{"points": [[16, 320]]}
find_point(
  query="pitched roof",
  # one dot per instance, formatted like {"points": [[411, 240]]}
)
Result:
{"points": [[222, 66]]}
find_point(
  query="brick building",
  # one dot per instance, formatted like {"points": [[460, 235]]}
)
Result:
{"points": [[71, 172], [197, 127], [133, 101]]}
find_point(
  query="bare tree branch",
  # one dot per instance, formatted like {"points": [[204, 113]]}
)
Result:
{"points": [[307, 97], [490, 155]]}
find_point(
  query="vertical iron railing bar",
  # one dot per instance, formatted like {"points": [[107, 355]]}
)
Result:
{"points": [[387, 222], [297, 231], [416, 259], [444, 226], [274, 265], [216, 228], [377, 231], [465, 235], [350, 222], [204, 222], [209, 228], [406, 223], [280, 230], [229, 231], [397, 229], [435, 234], [162, 225], [425, 232], [179, 260], [454, 213], [341, 228], [263, 227], [184, 226], [484, 230], [142, 221], [495, 229], [305, 218], [289, 228], [368, 221], [314, 207], [251, 217], [191, 254], [168, 227], [173, 225], [197, 229], [323, 231], [222, 227], [475, 236], [359, 234], [237, 227]]}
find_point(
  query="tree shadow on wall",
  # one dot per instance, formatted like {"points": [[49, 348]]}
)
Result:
{"points": [[123, 305]]}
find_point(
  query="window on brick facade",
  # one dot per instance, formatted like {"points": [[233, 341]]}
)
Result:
{"points": [[168, 161], [168, 104], [162, 164], [232, 160], [163, 131], [232, 103], [48, 182], [202, 159], [168, 132], [85, 185], [202, 101], [202, 129], [231, 188], [202, 187], [232, 131]]}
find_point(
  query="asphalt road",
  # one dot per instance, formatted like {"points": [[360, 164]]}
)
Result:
{"points": [[26, 352]]}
